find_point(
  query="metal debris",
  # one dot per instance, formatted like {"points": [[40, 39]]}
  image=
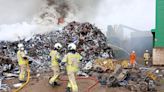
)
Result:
{"points": [[91, 44], [97, 58], [4, 87], [139, 79], [17, 85]]}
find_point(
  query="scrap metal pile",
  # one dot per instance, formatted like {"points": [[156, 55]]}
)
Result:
{"points": [[113, 73], [90, 41], [97, 57]]}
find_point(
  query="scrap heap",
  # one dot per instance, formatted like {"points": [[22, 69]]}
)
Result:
{"points": [[90, 41], [114, 74], [97, 58]]}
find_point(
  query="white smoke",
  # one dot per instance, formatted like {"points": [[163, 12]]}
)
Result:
{"points": [[23, 30], [14, 11], [139, 14], [17, 16], [85, 10], [17, 19]]}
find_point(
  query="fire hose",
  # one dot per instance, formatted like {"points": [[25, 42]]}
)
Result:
{"points": [[78, 78], [28, 76], [84, 78], [27, 81]]}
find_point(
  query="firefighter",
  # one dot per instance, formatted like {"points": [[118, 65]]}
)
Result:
{"points": [[133, 59], [22, 62], [146, 57], [72, 60], [55, 60]]}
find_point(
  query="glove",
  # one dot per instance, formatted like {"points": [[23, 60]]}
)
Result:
{"points": [[29, 62], [62, 64], [49, 58], [25, 58], [58, 60]]}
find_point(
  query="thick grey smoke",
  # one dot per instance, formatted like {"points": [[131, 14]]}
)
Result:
{"points": [[139, 14], [61, 6], [86, 9], [135, 13], [82, 9]]}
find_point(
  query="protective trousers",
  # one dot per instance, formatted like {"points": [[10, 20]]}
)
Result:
{"points": [[146, 62], [22, 74], [72, 81], [56, 74], [132, 63]]}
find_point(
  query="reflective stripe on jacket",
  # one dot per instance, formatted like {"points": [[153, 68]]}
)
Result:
{"points": [[54, 57], [146, 56], [72, 61], [20, 55]]}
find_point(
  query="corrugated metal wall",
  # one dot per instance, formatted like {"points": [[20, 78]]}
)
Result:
{"points": [[159, 32]]}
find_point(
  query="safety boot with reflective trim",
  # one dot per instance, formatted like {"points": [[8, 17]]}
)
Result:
{"points": [[22, 81], [54, 84], [68, 89]]}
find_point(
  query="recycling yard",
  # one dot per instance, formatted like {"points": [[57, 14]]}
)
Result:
{"points": [[99, 70], [103, 45]]}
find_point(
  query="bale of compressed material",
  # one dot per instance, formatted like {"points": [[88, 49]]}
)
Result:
{"points": [[104, 64]]}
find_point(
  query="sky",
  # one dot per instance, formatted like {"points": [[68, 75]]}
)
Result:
{"points": [[139, 14]]}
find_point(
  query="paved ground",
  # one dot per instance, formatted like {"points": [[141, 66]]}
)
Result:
{"points": [[41, 85]]}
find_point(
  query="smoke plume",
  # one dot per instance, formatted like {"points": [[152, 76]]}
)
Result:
{"points": [[139, 14]]}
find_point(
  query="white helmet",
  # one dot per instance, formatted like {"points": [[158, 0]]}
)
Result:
{"points": [[147, 50], [133, 51], [21, 46], [72, 46], [58, 46]]}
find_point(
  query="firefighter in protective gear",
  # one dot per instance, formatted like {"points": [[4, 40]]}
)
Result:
{"points": [[133, 59], [146, 57], [72, 60], [22, 62], [55, 58]]}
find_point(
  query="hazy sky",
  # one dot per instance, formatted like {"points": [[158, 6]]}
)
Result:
{"points": [[13, 11], [139, 14]]}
